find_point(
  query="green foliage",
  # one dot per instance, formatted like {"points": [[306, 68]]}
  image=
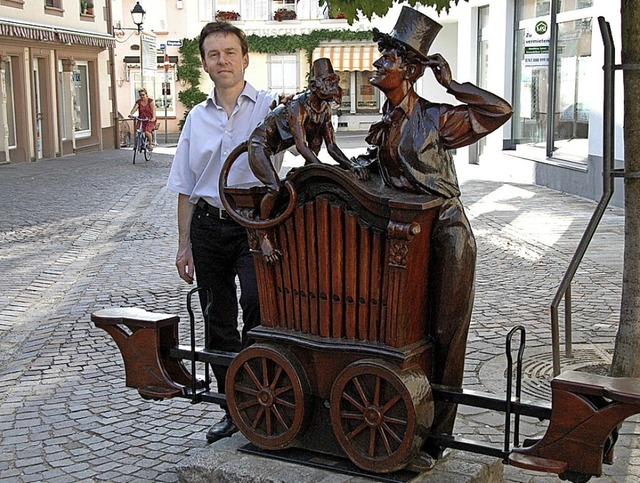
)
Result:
{"points": [[368, 8], [189, 69], [189, 98], [307, 42], [190, 66]]}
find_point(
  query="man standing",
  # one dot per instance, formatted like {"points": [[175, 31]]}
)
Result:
{"points": [[211, 246], [410, 148]]}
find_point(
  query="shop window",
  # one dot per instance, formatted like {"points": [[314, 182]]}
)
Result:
{"points": [[165, 88], [283, 73], [570, 5], [11, 110], [81, 105], [345, 83], [482, 65], [367, 96], [572, 80], [564, 130], [530, 93], [157, 88]]}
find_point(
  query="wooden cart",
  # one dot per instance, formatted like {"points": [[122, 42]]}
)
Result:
{"points": [[345, 333], [343, 358]]}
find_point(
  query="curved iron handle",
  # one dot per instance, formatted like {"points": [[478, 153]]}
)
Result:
{"points": [[248, 222]]}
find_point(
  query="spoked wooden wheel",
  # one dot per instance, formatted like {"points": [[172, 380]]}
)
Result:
{"points": [[266, 391], [380, 415]]}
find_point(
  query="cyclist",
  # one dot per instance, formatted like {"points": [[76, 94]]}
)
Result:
{"points": [[146, 110]]}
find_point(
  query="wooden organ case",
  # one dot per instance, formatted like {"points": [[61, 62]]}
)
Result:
{"points": [[342, 360]]}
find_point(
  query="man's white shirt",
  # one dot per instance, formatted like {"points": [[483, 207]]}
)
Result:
{"points": [[207, 139]]}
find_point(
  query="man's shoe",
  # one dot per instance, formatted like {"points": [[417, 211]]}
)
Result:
{"points": [[422, 462], [222, 429]]}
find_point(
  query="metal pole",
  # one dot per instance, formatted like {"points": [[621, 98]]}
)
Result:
{"points": [[551, 74], [166, 85], [607, 191], [141, 56]]}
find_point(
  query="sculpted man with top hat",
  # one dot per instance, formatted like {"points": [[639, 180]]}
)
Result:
{"points": [[411, 149]]}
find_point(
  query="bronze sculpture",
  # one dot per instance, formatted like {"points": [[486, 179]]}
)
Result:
{"points": [[364, 317], [411, 149], [303, 122]]}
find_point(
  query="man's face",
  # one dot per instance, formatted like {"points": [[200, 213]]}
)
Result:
{"points": [[389, 73], [223, 60]]}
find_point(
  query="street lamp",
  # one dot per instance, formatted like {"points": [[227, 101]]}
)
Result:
{"points": [[137, 16]]}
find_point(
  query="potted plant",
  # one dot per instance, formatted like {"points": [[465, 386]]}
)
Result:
{"points": [[83, 6], [89, 7], [227, 16], [284, 14]]}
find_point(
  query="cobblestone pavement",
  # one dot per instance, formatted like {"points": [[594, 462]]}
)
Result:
{"points": [[90, 231]]}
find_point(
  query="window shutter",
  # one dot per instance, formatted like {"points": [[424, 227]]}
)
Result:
{"points": [[205, 10]]}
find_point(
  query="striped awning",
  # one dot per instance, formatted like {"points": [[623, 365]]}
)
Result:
{"points": [[349, 57], [48, 33]]}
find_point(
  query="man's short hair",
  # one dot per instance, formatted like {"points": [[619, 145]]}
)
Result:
{"points": [[224, 28]]}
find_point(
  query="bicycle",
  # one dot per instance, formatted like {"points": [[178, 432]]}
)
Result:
{"points": [[140, 142]]}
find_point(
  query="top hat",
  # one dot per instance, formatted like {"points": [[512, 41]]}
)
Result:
{"points": [[322, 67], [414, 30]]}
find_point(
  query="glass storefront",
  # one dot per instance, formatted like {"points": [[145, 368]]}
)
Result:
{"points": [[11, 110], [482, 63], [568, 122], [157, 88], [345, 83], [367, 96], [574, 66], [81, 105]]}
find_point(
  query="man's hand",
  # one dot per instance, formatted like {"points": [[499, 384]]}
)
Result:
{"points": [[184, 264], [441, 69]]}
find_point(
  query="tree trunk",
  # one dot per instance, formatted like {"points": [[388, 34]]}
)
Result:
{"points": [[626, 358]]}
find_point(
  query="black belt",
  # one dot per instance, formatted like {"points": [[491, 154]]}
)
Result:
{"points": [[213, 210]]}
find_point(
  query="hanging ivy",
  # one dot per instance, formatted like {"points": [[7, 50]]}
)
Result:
{"points": [[307, 42], [189, 70]]}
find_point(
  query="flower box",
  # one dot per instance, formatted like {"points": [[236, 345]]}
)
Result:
{"points": [[284, 14], [227, 16]]}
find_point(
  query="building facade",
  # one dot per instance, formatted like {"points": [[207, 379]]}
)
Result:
{"points": [[546, 57], [68, 74], [56, 95], [171, 21]]}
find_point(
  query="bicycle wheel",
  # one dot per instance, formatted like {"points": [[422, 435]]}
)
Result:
{"points": [[136, 146], [145, 148]]}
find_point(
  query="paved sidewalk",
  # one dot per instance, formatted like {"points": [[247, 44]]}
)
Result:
{"points": [[90, 231]]}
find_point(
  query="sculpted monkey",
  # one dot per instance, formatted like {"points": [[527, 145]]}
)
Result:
{"points": [[304, 121]]}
